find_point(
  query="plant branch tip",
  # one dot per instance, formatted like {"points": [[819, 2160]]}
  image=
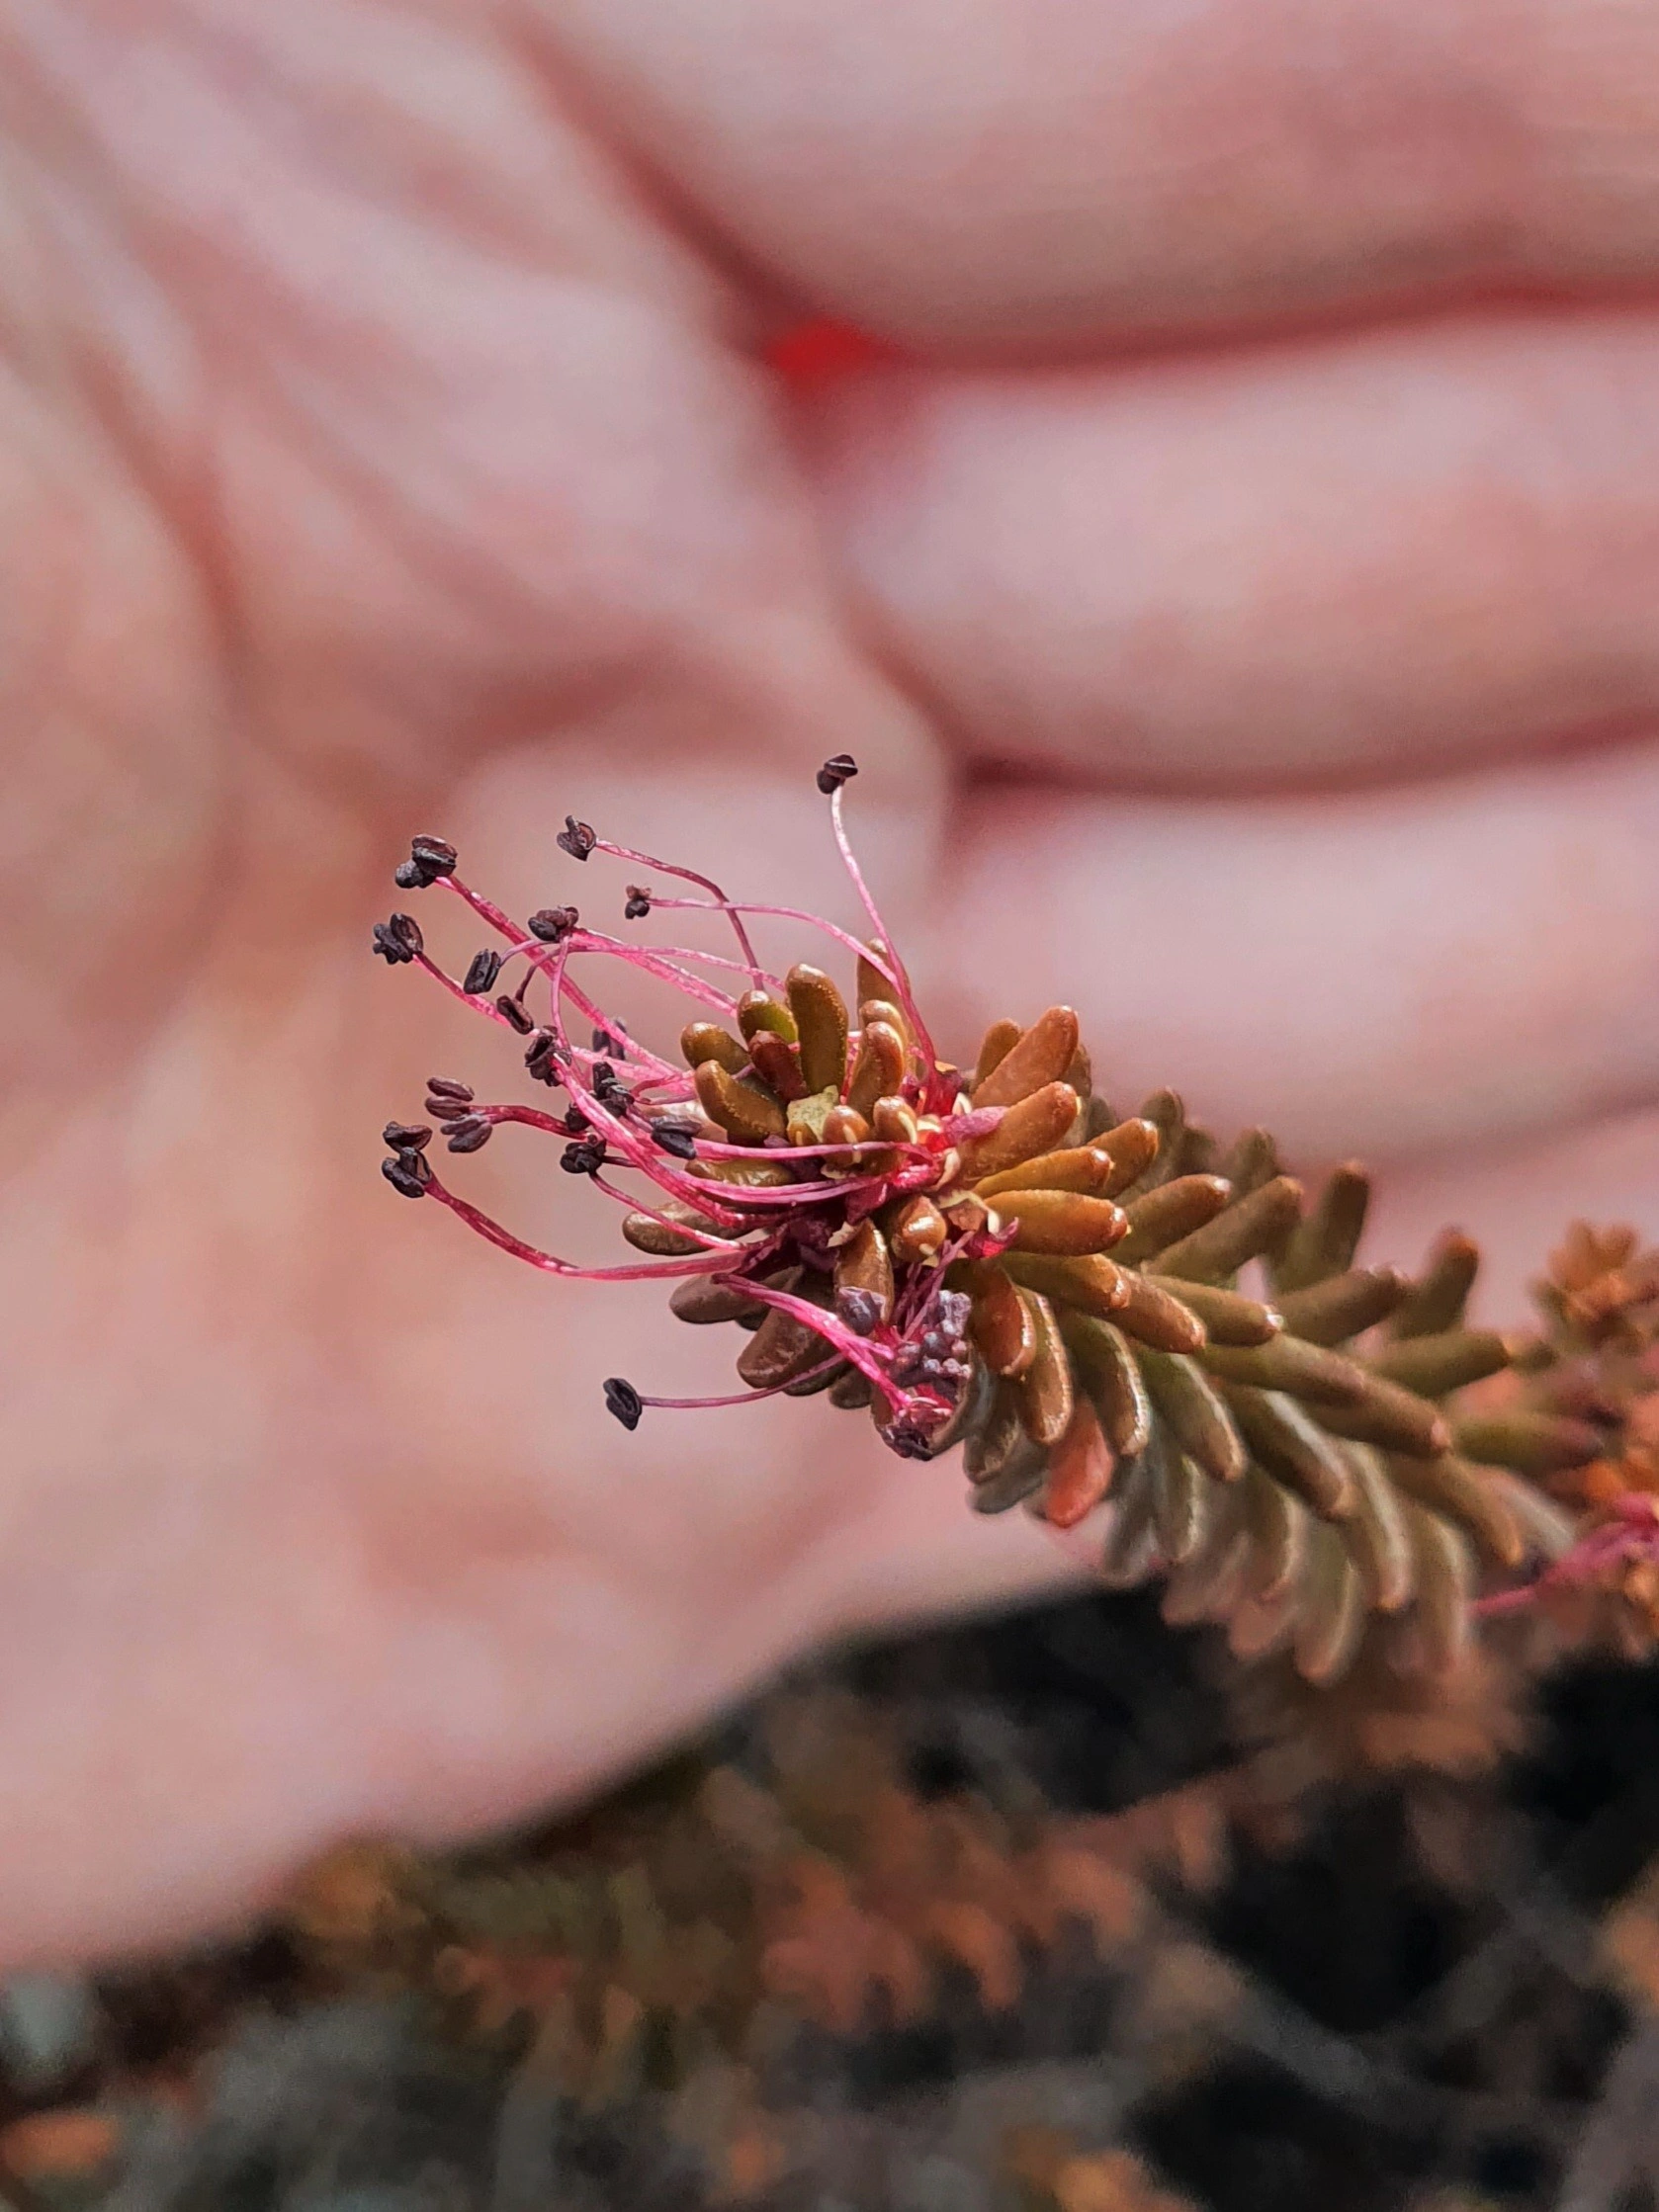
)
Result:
{"points": [[993, 1257]]}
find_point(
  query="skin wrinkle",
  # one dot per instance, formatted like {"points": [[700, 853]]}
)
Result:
{"points": [[299, 406], [152, 417], [1400, 548], [1490, 1006], [1045, 170], [102, 630], [752, 307], [412, 119]]}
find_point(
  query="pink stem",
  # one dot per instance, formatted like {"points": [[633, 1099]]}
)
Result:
{"points": [[467, 997], [592, 940], [690, 876], [902, 974], [711, 1263], [529, 1117], [740, 1398], [833, 1333], [832, 931], [680, 1228]]}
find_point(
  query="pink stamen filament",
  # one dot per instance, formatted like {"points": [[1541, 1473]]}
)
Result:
{"points": [[485, 909], [793, 1194], [711, 1263], [1631, 1536], [528, 1117], [636, 1148], [649, 959], [467, 997], [739, 1209], [601, 940], [902, 976], [1511, 1601], [742, 1398], [638, 1153], [764, 1198], [867, 953], [680, 1228], [643, 957], [690, 876], [925, 1286], [855, 1349], [636, 1055], [553, 1125], [711, 1148], [552, 961]]}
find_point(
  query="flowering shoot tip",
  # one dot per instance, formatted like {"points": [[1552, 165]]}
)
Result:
{"points": [[780, 1165], [946, 1252]]}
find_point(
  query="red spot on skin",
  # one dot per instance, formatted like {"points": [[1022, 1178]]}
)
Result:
{"points": [[819, 351]]}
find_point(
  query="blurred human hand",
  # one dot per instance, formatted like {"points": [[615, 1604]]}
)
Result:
{"points": [[1235, 571]]}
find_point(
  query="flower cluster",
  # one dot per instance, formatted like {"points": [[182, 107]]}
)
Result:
{"points": [[815, 1176], [1586, 1419], [1092, 1306]]}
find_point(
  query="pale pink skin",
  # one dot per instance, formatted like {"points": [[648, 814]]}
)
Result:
{"points": [[1243, 610]]}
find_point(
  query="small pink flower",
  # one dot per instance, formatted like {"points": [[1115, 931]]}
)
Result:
{"points": [[759, 1168]]}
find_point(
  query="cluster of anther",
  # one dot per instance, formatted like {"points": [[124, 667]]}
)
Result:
{"points": [[940, 1359], [450, 1104], [430, 858], [408, 1169], [398, 941], [941, 1355], [801, 1173]]}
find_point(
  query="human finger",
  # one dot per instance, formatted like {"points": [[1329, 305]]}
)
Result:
{"points": [[1015, 172], [1393, 973], [1416, 544], [1517, 1198]]}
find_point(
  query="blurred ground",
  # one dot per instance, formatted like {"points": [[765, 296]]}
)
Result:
{"points": [[1016, 1914]]}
